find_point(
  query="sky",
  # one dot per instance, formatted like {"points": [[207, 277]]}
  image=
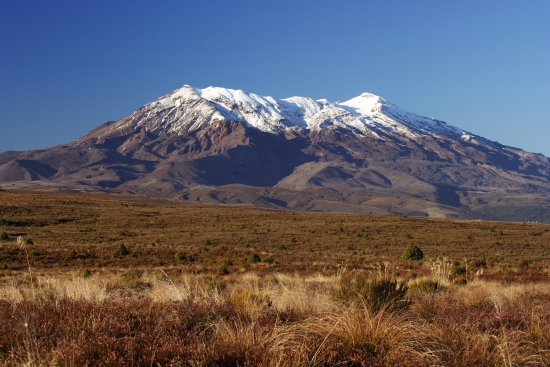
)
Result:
{"points": [[69, 66]]}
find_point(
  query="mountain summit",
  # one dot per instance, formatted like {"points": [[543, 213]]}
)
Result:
{"points": [[189, 109], [220, 145]]}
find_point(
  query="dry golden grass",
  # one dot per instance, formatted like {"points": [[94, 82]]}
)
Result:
{"points": [[278, 320], [171, 303]]}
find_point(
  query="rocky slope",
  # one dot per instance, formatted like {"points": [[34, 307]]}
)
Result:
{"points": [[227, 146]]}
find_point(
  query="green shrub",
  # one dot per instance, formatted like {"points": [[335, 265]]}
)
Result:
{"points": [[223, 270], [179, 256], [131, 273], [412, 252], [86, 273], [227, 262], [253, 259], [29, 241], [4, 266], [4, 236], [523, 264], [269, 260], [381, 293], [478, 263], [132, 277], [121, 250]]}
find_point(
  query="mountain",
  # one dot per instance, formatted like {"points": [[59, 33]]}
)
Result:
{"points": [[365, 155]]}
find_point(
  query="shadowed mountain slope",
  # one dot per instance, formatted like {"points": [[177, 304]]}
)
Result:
{"points": [[219, 145]]}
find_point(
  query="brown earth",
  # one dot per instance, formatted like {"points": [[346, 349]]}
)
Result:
{"points": [[71, 232]]}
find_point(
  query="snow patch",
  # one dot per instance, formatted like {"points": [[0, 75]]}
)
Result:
{"points": [[189, 109]]}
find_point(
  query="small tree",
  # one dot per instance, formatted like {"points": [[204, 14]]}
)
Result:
{"points": [[412, 252]]}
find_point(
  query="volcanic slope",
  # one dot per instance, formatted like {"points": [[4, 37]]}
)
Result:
{"points": [[217, 145]]}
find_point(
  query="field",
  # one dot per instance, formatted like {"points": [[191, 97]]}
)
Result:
{"points": [[111, 280]]}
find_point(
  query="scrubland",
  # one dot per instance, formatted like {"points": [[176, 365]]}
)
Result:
{"points": [[279, 320], [115, 281]]}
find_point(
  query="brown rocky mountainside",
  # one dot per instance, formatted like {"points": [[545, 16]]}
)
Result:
{"points": [[366, 155]]}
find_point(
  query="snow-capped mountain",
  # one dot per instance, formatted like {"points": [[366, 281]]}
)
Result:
{"points": [[189, 109], [222, 145]]}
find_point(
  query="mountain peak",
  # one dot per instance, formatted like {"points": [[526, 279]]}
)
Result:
{"points": [[361, 155], [190, 109], [368, 95]]}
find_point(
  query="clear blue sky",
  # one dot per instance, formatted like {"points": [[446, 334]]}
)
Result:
{"points": [[69, 66]]}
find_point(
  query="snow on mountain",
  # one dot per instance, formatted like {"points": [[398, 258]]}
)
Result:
{"points": [[362, 155], [188, 109]]}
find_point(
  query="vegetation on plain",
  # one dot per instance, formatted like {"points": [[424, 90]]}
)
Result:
{"points": [[164, 283]]}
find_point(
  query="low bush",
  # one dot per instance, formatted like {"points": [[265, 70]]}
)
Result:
{"points": [[121, 250], [131, 273], [381, 293], [132, 278], [4, 236], [86, 273], [222, 270], [227, 262], [460, 281], [179, 256], [458, 270], [412, 252], [478, 263], [253, 259], [427, 286]]}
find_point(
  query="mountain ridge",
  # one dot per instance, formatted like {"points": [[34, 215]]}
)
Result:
{"points": [[362, 155]]}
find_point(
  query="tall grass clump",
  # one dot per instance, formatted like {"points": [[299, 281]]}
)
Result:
{"points": [[375, 293], [276, 320]]}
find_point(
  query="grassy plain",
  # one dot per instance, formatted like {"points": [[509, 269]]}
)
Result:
{"points": [[72, 232], [206, 285]]}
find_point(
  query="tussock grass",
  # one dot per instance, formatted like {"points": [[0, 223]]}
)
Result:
{"points": [[277, 320], [332, 289]]}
